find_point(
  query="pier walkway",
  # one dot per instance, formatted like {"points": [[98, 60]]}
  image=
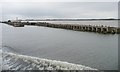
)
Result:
{"points": [[86, 28]]}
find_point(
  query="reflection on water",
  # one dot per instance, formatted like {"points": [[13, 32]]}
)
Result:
{"points": [[90, 49]]}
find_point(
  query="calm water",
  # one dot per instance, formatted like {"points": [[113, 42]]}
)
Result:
{"points": [[99, 22], [90, 49]]}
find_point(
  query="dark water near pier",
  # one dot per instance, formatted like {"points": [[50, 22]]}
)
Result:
{"points": [[90, 49]]}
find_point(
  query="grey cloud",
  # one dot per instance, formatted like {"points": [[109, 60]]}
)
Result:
{"points": [[60, 10]]}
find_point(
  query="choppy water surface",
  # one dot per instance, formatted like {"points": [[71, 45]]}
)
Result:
{"points": [[90, 49]]}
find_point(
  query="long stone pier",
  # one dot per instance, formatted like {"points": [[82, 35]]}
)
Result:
{"points": [[86, 28]]}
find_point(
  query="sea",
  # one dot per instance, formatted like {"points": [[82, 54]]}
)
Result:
{"points": [[44, 48]]}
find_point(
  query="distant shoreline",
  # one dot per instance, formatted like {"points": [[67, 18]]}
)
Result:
{"points": [[68, 19], [62, 20]]}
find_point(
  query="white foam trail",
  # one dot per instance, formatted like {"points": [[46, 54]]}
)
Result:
{"points": [[22, 62]]}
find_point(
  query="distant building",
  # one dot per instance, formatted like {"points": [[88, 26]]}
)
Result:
{"points": [[9, 20]]}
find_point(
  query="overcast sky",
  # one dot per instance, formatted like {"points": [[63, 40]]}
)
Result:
{"points": [[37, 10]]}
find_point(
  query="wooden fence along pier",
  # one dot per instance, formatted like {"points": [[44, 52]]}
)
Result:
{"points": [[86, 28]]}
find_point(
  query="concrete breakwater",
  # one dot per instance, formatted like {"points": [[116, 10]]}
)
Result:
{"points": [[86, 28]]}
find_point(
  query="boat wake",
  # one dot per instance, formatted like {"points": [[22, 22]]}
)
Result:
{"points": [[15, 61]]}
